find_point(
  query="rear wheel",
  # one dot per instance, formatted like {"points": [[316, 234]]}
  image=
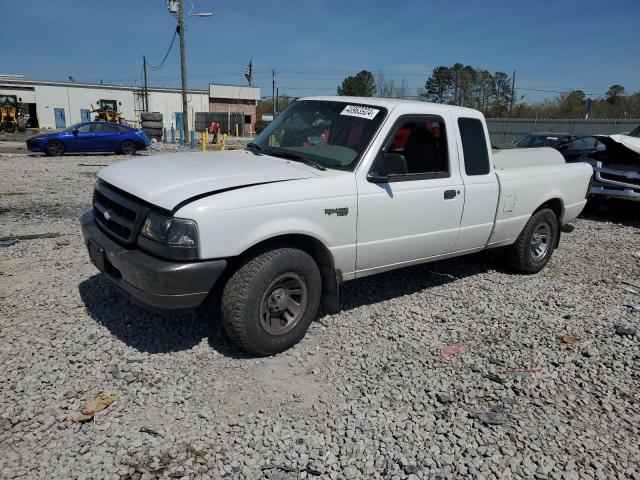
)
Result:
{"points": [[270, 301], [536, 243], [54, 148], [128, 148]]}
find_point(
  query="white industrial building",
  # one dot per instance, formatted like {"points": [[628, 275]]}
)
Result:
{"points": [[51, 104]]}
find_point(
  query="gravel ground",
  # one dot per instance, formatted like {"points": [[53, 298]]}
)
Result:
{"points": [[449, 370]]}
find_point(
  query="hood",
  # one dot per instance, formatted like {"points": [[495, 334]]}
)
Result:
{"points": [[626, 142], [172, 179], [40, 136]]}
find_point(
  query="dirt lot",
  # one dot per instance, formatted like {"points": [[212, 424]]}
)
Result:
{"points": [[401, 384]]}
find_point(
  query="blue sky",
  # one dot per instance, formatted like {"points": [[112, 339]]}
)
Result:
{"points": [[314, 44]]}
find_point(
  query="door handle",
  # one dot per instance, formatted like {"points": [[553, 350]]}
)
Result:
{"points": [[449, 194]]}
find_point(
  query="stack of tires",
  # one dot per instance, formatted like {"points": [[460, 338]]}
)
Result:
{"points": [[152, 124]]}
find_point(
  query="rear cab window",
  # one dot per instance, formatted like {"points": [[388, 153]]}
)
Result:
{"points": [[474, 146]]}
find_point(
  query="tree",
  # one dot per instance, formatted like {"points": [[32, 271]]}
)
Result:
{"points": [[362, 85], [614, 94], [388, 88], [502, 85], [438, 87], [571, 104]]}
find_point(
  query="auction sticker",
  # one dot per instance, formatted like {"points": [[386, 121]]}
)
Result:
{"points": [[361, 112]]}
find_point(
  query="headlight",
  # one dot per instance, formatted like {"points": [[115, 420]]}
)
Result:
{"points": [[175, 238], [156, 227]]}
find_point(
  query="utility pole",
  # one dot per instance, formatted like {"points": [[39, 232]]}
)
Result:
{"points": [[273, 91], [183, 67], [146, 89], [513, 92]]}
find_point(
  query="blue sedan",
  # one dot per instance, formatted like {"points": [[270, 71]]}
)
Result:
{"points": [[90, 137]]}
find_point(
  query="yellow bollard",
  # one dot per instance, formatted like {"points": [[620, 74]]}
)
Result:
{"points": [[204, 141], [237, 135], [224, 142]]}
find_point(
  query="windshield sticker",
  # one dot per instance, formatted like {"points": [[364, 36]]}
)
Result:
{"points": [[361, 112]]}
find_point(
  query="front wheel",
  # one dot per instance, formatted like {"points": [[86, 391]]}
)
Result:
{"points": [[54, 148], [536, 243], [128, 148], [270, 301]]}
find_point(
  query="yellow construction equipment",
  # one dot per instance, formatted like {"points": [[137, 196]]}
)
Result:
{"points": [[11, 119], [107, 111]]}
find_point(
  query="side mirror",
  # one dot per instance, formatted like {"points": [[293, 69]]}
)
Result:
{"points": [[388, 165]]}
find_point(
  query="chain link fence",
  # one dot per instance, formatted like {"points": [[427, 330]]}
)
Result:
{"points": [[505, 130], [204, 119]]}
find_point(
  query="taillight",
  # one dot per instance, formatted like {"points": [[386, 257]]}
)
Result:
{"points": [[590, 185]]}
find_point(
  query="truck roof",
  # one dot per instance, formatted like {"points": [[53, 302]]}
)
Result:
{"points": [[388, 103]]}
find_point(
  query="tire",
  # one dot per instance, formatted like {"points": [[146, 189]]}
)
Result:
{"points": [[536, 243], [22, 125], [256, 302], [54, 148], [150, 124], [151, 116], [153, 133], [128, 148]]}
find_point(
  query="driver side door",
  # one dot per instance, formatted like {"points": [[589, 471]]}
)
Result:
{"points": [[412, 216], [80, 139]]}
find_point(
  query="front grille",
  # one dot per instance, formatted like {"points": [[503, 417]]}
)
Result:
{"points": [[624, 167], [120, 215], [631, 182]]}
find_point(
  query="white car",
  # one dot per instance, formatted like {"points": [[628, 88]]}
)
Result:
{"points": [[334, 189]]}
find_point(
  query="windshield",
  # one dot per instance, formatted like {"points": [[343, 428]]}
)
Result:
{"points": [[332, 134], [108, 105]]}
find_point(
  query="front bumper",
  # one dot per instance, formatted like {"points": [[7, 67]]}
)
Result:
{"points": [[151, 282], [613, 183], [620, 193], [35, 146]]}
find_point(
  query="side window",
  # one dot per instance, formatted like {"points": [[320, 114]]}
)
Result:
{"points": [[121, 128], [84, 128], [474, 146], [525, 142], [104, 127], [423, 143], [582, 144]]}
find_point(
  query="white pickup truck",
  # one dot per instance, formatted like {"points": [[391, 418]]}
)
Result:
{"points": [[334, 189]]}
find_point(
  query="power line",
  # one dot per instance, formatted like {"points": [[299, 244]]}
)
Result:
{"points": [[173, 39]]}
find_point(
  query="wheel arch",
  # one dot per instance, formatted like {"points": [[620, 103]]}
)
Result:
{"points": [[331, 277], [556, 205]]}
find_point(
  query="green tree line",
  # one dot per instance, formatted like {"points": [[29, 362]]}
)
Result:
{"points": [[492, 94]]}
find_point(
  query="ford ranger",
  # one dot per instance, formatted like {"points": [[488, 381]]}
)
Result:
{"points": [[334, 189]]}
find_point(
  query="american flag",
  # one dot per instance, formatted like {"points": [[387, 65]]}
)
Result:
{"points": [[248, 74]]}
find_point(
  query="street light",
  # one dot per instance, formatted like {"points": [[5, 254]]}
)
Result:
{"points": [[183, 58]]}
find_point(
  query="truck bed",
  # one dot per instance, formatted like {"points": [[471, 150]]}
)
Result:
{"points": [[526, 157], [519, 195]]}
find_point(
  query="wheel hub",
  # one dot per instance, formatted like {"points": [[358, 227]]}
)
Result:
{"points": [[278, 300], [540, 241], [283, 303]]}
